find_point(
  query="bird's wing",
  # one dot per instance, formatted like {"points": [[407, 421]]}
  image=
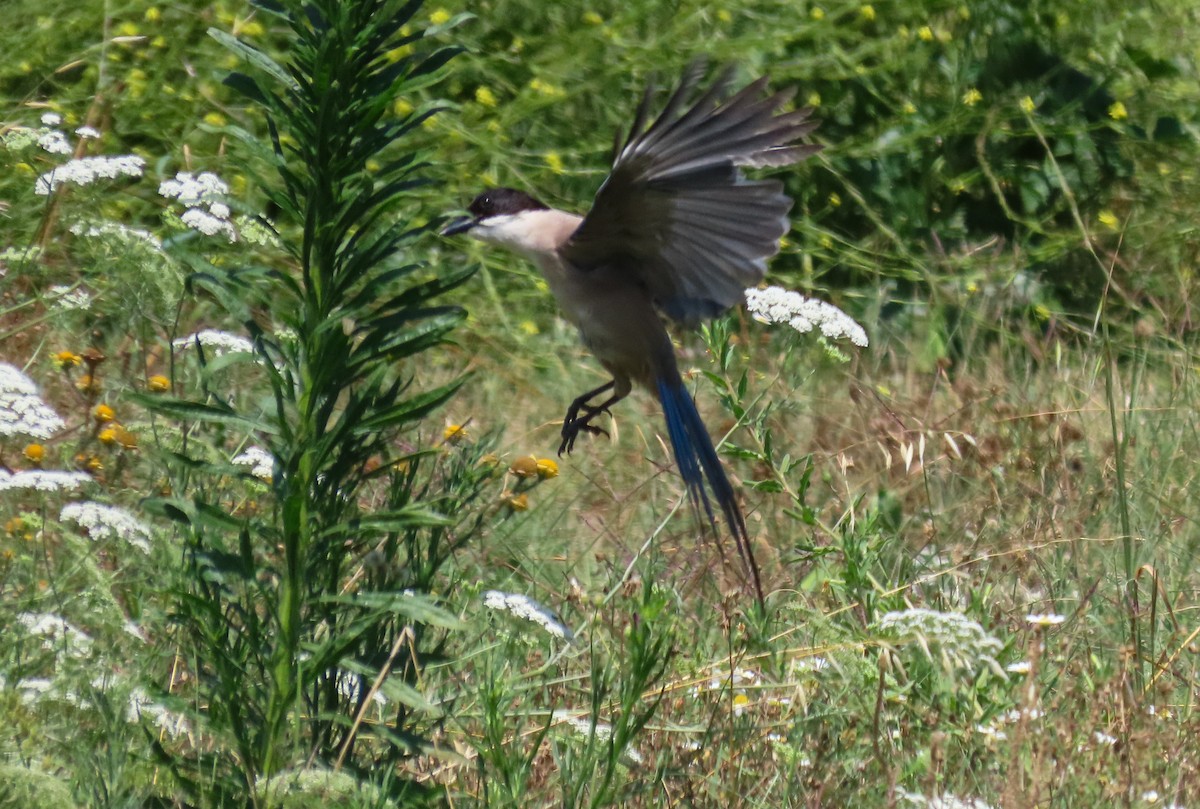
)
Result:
{"points": [[676, 211]]}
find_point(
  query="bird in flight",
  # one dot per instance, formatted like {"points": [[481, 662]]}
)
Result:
{"points": [[676, 231]]}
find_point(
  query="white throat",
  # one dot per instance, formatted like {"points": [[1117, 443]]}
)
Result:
{"points": [[531, 233]]}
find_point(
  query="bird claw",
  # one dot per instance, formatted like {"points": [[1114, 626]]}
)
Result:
{"points": [[574, 424]]}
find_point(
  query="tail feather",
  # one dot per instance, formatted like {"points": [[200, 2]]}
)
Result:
{"points": [[697, 459]]}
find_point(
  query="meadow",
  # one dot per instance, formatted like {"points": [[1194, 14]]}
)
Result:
{"points": [[282, 522]]}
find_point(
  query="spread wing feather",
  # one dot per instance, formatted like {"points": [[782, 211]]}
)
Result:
{"points": [[676, 210]]}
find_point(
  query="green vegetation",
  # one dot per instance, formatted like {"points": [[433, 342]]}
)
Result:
{"points": [[277, 525]]}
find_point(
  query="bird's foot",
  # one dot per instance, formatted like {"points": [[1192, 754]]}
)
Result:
{"points": [[574, 424]]}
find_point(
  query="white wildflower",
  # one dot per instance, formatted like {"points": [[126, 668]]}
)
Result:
{"points": [[210, 225], [525, 607], [22, 411], [262, 463], [70, 299], [120, 232], [1048, 619], [192, 190], [87, 132], [1020, 667], [1103, 738], [142, 707], [215, 342], [582, 725], [54, 630], [944, 801], [51, 119], [43, 480], [350, 688], [54, 142], [809, 664], [778, 305], [86, 170], [1150, 796], [991, 732], [962, 642], [108, 522]]}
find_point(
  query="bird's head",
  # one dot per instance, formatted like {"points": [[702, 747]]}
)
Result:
{"points": [[502, 216]]}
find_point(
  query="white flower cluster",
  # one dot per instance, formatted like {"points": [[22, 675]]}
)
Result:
{"points": [[962, 642], [944, 801], [70, 299], [88, 132], [216, 342], [524, 607], [22, 411], [121, 232], [141, 706], [262, 463], [1046, 620], [108, 522], [54, 142], [43, 480], [55, 630], [203, 195], [583, 726], [779, 305], [86, 170]]}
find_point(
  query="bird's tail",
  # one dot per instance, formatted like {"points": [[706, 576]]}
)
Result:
{"points": [[697, 459]]}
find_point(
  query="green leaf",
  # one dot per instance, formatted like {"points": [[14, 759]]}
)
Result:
{"points": [[255, 57]]}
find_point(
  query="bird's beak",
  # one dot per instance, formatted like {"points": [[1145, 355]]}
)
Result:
{"points": [[459, 225]]}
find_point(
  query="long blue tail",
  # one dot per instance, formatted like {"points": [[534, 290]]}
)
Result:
{"points": [[697, 459]]}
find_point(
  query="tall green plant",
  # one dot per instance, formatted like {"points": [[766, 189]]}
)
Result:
{"points": [[300, 611]]}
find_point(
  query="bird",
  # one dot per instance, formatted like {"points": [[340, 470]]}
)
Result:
{"points": [[676, 232]]}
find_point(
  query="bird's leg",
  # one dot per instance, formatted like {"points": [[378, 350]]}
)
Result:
{"points": [[574, 423]]}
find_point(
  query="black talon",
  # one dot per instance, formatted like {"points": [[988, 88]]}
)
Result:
{"points": [[574, 423]]}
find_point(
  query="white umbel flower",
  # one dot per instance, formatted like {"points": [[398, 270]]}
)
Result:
{"points": [[55, 631], [22, 411], [43, 480], [261, 462], [582, 725], [207, 223], [779, 305], [204, 197], [69, 298], [54, 142], [108, 522], [963, 643], [215, 342], [524, 607], [86, 170]]}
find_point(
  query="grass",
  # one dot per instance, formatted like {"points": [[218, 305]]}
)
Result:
{"points": [[1018, 440]]}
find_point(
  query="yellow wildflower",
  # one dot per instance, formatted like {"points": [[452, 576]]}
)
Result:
{"points": [[817, 13], [67, 359], [835, 201], [153, 14], [925, 33], [518, 503], [1109, 220], [554, 161], [214, 119], [485, 97], [34, 453], [1027, 104], [402, 107], [126, 439], [529, 327], [909, 108], [1117, 111], [103, 413], [592, 18], [158, 384], [547, 89], [972, 97], [127, 29], [88, 384], [454, 433], [814, 99], [93, 464], [724, 16], [867, 12], [525, 467], [440, 17], [108, 435], [547, 468], [253, 28]]}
